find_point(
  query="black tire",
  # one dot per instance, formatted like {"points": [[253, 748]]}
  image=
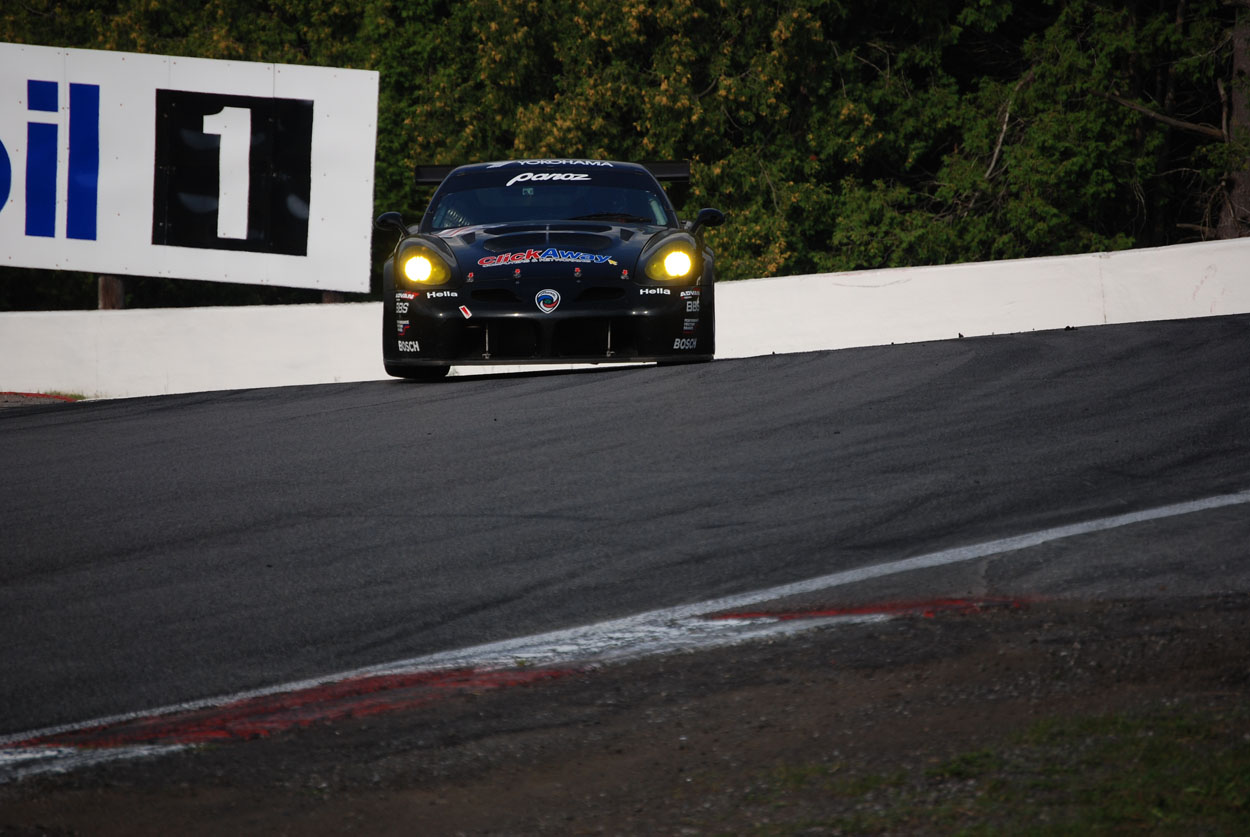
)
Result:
{"points": [[418, 373], [683, 361]]}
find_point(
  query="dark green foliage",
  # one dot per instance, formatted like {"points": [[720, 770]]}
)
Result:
{"points": [[836, 136]]}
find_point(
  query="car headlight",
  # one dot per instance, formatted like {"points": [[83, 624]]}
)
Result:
{"points": [[672, 262], [421, 266]]}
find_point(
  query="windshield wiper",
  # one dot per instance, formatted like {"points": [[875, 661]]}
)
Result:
{"points": [[613, 216]]}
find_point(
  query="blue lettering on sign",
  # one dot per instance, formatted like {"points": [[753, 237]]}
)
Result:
{"points": [[42, 138], [84, 160], [41, 161], [6, 176]]}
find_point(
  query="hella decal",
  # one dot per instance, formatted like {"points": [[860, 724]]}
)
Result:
{"points": [[547, 300], [650, 291], [551, 254], [438, 294]]}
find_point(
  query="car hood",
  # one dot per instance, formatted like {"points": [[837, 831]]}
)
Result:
{"points": [[589, 250]]}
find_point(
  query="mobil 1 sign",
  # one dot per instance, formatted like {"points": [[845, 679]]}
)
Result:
{"points": [[191, 168]]}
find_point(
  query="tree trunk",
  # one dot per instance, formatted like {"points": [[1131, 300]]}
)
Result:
{"points": [[1235, 214]]}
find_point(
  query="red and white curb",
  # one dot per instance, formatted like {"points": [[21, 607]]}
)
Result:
{"points": [[411, 684], [421, 680]]}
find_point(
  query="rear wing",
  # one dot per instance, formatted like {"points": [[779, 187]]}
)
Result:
{"points": [[668, 171], [432, 175]]}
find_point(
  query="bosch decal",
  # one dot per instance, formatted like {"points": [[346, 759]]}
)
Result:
{"points": [[547, 300], [685, 342], [551, 254], [409, 346]]}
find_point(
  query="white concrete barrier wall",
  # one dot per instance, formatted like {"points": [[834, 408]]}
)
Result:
{"points": [[157, 351]]}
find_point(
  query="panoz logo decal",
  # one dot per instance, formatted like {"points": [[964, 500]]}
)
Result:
{"points": [[548, 175], [547, 300], [551, 254]]}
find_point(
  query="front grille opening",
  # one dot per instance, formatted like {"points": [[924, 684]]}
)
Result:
{"points": [[504, 339], [500, 295], [601, 294], [599, 337]]}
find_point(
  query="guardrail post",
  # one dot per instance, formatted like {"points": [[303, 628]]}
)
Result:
{"points": [[111, 293]]}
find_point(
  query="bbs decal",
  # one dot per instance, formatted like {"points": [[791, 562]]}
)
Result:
{"points": [[232, 172]]}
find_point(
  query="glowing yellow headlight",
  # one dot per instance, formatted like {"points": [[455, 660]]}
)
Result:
{"points": [[677, 263], [674, 259], [418, 269], [422, 266]]}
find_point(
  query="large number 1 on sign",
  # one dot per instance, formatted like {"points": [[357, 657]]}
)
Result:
{"points": [[234, 127]]}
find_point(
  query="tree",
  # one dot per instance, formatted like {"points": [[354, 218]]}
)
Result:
{"points": [[1235, 212], [836, 136]]}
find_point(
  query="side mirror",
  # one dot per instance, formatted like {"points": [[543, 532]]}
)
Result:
{"points": [[707, 217], [391, 221]]}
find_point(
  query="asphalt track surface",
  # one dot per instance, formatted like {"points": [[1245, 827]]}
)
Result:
{"points": [[160, 550]]}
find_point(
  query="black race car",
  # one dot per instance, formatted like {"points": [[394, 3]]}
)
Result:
{"points": [[547, 261]]}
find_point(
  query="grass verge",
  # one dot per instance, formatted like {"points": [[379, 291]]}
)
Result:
{"points": [[1173, 770]]}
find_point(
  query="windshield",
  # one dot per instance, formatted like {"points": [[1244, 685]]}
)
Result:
{"points": [[524, 195]]}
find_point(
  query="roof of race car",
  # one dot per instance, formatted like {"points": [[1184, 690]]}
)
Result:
{"points": [[673, 171]]}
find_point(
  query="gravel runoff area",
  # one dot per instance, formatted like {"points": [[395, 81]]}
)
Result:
{"points": [[1046, 717]]}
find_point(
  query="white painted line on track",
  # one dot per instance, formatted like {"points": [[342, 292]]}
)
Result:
{"points": [[653, 632]]}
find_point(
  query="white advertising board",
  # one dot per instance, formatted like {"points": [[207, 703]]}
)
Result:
{"points": [[190, 168]]}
